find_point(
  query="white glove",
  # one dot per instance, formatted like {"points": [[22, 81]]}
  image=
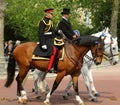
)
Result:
{"points": [[44, 47]]}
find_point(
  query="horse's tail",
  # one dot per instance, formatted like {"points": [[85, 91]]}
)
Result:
{"points": [[10, 71]]}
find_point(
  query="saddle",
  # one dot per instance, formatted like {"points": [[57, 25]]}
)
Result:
{"points": [[61, 56]]}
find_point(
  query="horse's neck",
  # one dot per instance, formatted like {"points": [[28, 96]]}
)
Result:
{"points": [[75, 51], [81, 51]]}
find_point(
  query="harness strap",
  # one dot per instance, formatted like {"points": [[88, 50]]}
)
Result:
{"points": [[90, 58]]}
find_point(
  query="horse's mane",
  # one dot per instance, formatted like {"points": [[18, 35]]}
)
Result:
{"points": [[86, 40]]}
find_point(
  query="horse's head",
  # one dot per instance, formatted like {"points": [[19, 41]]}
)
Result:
{"points": [[111, 49], [97, 50], [93, 43]]}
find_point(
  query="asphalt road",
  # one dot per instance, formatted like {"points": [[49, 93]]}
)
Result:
{"points": [[106, 79]]}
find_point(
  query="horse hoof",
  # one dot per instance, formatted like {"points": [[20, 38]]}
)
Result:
{"points": [[94, 100], [46, 103], [22, 101], [97, 94], [65, 98]]}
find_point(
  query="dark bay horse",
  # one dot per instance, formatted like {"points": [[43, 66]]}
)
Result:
{"points": [[70, 65]]}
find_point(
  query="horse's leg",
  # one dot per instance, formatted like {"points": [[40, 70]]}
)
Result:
{"points": [[36, 80], [75, 86], [46, 87], [93, 89], [55, 85], [85, 74], [44, 83], [21, 93], [66, 94], [40, 84], [24, 81], [41, 81]]}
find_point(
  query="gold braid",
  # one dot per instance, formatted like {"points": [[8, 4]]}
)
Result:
{"points": [[48, 26]]}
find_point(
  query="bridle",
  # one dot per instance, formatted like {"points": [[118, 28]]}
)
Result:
{"points": [[111, 55], [96, 54]]}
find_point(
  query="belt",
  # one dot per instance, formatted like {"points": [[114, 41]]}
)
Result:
{"points": [[48, 33]]}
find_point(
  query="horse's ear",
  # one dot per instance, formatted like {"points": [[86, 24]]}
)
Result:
{"points": [[102, 37], [116, 38], [107, 29]]}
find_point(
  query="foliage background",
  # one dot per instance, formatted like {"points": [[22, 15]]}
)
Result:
{"points": [[22, 16]]}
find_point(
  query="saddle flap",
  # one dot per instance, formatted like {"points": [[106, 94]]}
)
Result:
{"points": [[46, 58]]}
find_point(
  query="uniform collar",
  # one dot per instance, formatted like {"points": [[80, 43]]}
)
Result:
{"points": [[64, 18]]}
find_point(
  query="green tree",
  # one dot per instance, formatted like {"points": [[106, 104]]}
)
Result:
{"points": [[22, 16], [114, 18]]}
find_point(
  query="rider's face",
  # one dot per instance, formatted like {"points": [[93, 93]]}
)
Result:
{"points": [[67, 15], [49, 15]]}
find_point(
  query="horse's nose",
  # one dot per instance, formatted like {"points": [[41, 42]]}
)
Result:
{"points": [[98, 63], [115, 63]]}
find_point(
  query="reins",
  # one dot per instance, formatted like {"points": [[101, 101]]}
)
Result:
{"points": [[109, 57], [89, 58], [77, 60]]}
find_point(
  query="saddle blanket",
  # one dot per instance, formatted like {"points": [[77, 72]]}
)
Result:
{"points": [[46, 58]]}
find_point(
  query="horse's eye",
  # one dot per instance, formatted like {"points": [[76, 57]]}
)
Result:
{"points": [[113, 48]]}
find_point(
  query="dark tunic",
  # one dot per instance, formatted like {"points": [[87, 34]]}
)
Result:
{"points": [[66, 27], [46, 37]]}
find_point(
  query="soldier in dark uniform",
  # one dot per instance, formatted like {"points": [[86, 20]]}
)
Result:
{"points": [[65, 25], [46, 37]]}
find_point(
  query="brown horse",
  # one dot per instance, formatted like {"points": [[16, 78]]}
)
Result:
{"points": [[70, 65]]}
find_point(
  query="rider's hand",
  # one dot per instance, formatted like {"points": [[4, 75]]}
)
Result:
{"points": [[44, 47]]}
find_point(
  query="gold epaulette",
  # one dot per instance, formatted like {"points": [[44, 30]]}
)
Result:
{"points": [[48, 26]]}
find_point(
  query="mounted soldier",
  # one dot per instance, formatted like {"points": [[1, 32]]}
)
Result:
{"points": [[46, 38]]}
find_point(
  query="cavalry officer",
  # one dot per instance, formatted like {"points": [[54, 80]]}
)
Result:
{"points": [[46, 37]]}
